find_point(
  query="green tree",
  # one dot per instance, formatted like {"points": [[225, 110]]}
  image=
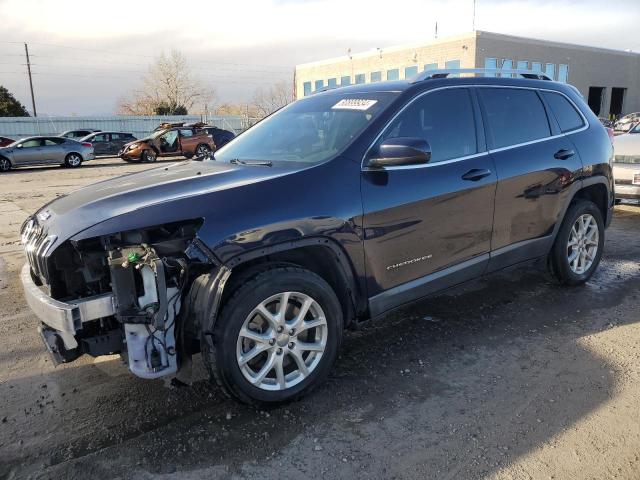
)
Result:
{"points": [[9, 106]]}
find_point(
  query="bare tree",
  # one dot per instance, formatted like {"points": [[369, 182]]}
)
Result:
{"points": [[168, 88], [267, 101]]}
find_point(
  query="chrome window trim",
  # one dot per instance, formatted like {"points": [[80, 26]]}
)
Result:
{"points": [[584, 127]]}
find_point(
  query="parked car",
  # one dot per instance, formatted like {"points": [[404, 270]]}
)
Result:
{"points": [[623, 124], [334, 210], [626, 166], [220, 136], [108, 143], [43, 151], [78, 134], [169, 141], [4, 141]]}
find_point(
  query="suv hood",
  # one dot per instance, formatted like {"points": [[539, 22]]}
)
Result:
{"points": [[131, 195]]}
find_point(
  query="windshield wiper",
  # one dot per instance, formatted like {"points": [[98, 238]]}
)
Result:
{"points": [[261, 163]]}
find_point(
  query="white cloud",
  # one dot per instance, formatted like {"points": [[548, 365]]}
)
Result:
{"points": [[231, 42]]}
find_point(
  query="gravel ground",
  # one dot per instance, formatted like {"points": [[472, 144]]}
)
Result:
{"points": [[511, 377]]}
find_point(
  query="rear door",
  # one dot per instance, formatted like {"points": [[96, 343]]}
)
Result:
{"points": [[101, 144], [535, 163], [187, 140], [429, 226], [53, 150]]}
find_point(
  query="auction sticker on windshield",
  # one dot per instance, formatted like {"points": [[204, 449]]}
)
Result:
{"points": [[354, 104]]}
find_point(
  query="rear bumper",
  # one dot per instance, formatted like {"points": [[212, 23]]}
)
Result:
{"points": [[65, 318]]}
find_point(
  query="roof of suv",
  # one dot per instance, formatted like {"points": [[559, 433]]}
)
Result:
{"points": [[406, 85]]}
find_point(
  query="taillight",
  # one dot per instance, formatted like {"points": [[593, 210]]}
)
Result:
{"points": [[611, 135], [87, 144]]}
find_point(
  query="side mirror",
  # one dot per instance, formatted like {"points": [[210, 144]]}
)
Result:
{"points": [[19, 145], [400, 151]]}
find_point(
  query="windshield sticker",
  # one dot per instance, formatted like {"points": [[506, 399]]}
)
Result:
{"points": [[354, 104]]}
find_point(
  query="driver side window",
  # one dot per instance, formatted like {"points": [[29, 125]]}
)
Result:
{"points": [[32, 143], [443, 118]]}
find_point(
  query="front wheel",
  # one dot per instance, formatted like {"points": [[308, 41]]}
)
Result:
{"points": [[578, 247], [5, 165], [148, 156], [276, 338], [73, 160]]}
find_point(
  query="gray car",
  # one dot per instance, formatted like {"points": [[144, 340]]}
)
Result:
{"points": [[108, 143], [45, 151]]}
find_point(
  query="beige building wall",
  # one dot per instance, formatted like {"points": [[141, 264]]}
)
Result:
{"points": [[436, 52], [587, 66]]}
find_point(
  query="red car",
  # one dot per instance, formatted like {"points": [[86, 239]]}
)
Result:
{"points": [[4, 141]]}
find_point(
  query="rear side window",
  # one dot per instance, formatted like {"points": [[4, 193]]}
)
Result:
{"points": [[186, 132], [444, 119], [53, 141], [514, 116], [566, 114]]}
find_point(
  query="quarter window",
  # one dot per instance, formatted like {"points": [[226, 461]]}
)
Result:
{"points": [[514, 116], [442, 118], [566, 114]]}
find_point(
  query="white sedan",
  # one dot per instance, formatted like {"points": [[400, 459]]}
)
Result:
{"points": [[626, 165]]}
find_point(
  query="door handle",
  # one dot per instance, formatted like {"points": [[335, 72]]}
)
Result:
{"points": [[564, 154], [476, 174]]}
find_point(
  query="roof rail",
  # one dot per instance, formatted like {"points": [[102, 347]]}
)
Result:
{"points": [[431, 74]]}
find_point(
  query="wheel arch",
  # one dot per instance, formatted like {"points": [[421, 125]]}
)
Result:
{"points": [[320, 255]]}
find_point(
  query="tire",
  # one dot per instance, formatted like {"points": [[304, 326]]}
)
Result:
{"points": [[73, 160], [202, 150], [148, 156], [5, 165], [224, 352], [578, 247]]}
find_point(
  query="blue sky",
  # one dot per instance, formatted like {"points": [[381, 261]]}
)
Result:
{"points": [[88, 54]]}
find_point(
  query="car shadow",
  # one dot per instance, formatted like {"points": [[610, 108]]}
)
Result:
{"points": [[453, 387]]}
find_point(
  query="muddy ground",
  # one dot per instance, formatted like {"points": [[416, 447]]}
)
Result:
{"points": [[511, 377]]}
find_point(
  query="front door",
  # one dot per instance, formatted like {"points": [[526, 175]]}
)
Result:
{"points": [[101, 144], [429, 226], [28, 152]]}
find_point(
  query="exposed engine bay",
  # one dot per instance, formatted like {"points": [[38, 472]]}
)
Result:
{"points": [[144, 273]]}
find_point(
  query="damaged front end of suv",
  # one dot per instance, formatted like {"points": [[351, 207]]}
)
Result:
{"points": [[116, 293]]}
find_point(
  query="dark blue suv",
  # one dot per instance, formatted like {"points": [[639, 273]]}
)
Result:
{"points": [[334, 210]]}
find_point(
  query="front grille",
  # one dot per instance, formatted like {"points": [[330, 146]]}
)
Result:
{"points": [[36, 244]]}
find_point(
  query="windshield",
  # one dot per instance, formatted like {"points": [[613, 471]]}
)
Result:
{"points": [[310, 130]]}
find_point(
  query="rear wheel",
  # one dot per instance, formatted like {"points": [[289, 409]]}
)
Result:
{"points": [[203, 150], [578, 247], [276, 338], [5, 165], [149, 156], [73, 160]]}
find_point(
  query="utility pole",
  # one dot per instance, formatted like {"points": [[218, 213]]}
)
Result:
{"points": [[473, 21], [33, 99]]}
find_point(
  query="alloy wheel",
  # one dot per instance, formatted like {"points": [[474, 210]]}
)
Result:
{"points": [[5, 166], [282, 341], [74, 160], [583, 244], [202, 151]]}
